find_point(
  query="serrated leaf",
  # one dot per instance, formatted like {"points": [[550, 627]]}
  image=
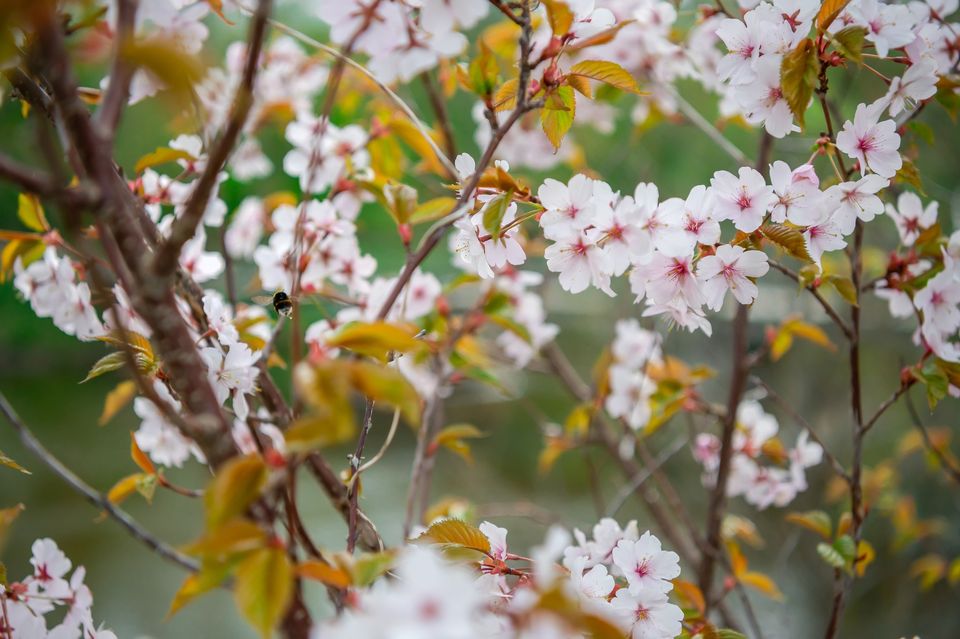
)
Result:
{"points": [[829, 11], [324, 573], [798, 77], [264, 588], [455, 532], [106, 364], [505, 98], [377, 339], [555, 122], [607, 72], [116, 399], [559, 16], [815, 520], [161, 155], [581, 85], [235, 486], [849, 42], [788, 238], [493, 212], [830, 555], [9, 463], [235, 536], [30, 212]]}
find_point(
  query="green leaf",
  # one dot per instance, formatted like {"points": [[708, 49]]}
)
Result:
{"points": [[607, 72], [815, 520], [236, 485], [556, 122], [830, 555], [264, 588], [484, 71], [454, 532], [3, 574], [369, 566], [9, 463], [106, 364], [845, 287], [849, 42], [493, 213], [788, 238], [846, 548], [798, 76], [829, 11], [161, 155], [935, 379], [30, 212]]}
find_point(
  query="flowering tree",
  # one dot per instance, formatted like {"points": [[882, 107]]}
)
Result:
{"points": [[137, 253]]}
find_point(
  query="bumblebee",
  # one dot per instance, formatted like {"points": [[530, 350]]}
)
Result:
{"points": [[282, 303]]}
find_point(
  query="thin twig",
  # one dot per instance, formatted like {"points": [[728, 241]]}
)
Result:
{"points": [[121, 72], [711, 131], [828, 309], [634, 484], [94, 497], [949, 468]]}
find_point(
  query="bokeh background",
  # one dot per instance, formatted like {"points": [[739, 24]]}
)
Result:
{"points": [[40, 370]]}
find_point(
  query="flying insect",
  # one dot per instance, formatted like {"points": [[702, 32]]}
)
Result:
{"points": [[282, 303]]}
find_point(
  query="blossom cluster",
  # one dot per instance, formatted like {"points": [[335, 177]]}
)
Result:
{"points": [[28, 603], [51, 286], [634, 349], [619, 576], [760, 485], [402, 39]]}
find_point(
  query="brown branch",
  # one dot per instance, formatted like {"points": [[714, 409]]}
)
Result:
{"points": [[96, 498], [804, 424], [738, 376], [947, 464], [440, 111], [121, 73], [185, 227], [828, 309]]}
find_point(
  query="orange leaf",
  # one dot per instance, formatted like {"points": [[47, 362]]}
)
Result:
{"points": [[324, 573], [140, 458]]}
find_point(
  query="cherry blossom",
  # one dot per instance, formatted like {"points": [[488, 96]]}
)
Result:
{"points": [[874, 144], [645, 564], [730, 269], [744, 199], [911, 217]]}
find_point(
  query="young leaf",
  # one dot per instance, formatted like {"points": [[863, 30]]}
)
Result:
{"points": [[125, 487], [829, 11], [9, 463], [788, 238], [815, 520], [494, 211], [376, 339], [763, 583], [369, 566], [324, 573], [849, 42], [235, 486], [210, 576], [452, 438], [607, 72], [581, 84], [454, 532], [139, 458], [830, 555], [31, 214], [798, 76], [235, 536], [505, 97], [559, 16], [264, 588], [161, 155], [386, 385], [116, 399], [557, 122], [106, 364]]}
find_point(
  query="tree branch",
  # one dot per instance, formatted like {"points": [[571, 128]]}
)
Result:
{"points": [[96, 498], [121, 73]]}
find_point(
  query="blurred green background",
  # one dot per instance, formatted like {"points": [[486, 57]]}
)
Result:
{"points": [[40, 369]]}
